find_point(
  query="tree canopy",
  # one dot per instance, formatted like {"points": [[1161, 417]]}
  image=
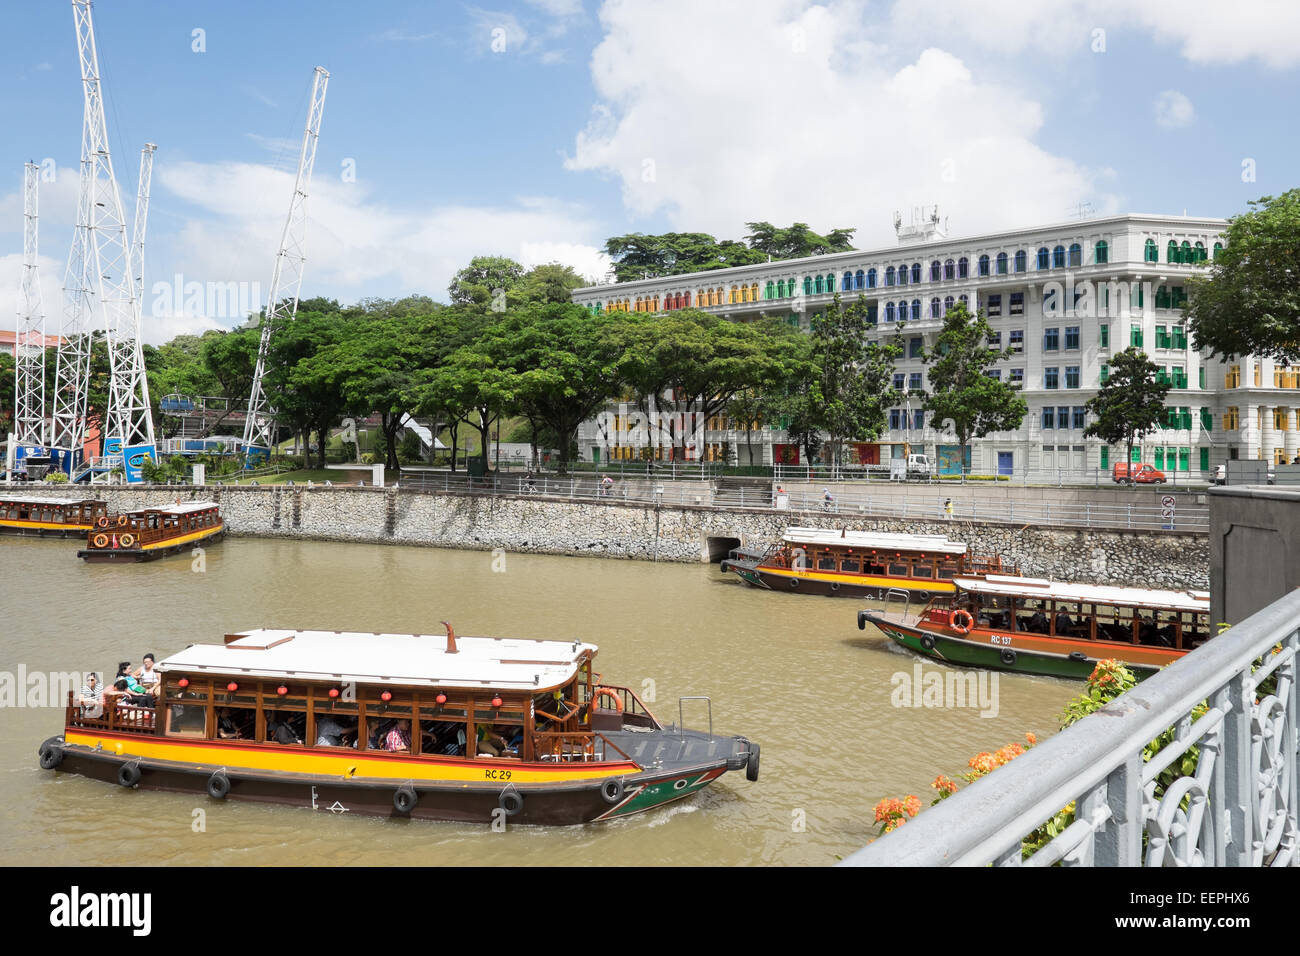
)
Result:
{"points": [[1130, 403], [1249, 304]]}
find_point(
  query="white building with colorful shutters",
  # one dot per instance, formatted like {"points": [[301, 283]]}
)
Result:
{"points": [[1063, 297]]}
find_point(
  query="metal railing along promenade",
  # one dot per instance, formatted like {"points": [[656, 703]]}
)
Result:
{"points": [[926, 507], [1233, 706]]}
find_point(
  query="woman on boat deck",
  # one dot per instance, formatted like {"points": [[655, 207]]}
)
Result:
{"points": [[490, 743]]}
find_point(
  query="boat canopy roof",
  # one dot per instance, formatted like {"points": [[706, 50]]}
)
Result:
{"points": [[875, 541], [53, 502], [1008, 586], [417, 660], [188, 508]]}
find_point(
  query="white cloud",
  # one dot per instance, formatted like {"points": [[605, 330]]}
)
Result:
{"points": [[497, 32], [558, 8], [795, 117], [588, 261], [1173, 110]]}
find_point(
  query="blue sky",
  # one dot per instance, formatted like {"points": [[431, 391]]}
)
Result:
{"points": [[539, 128]]}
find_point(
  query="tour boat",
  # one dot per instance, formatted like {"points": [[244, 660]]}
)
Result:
{"points": [[153, 532], [861, 564], [59, 517], [1035, 626], [379, 723]]}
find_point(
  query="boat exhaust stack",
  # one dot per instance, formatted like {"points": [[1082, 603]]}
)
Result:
{"points": [[451, 638]]}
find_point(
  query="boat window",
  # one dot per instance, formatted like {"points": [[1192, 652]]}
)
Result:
{"points": [[826, 561], [995, 612], [46, 515], [187, 708], [875, 566], [923, 568], [1158, 629], [1033, 615], [1068, 620], [851, 565], [285, 727], [335, 720], [898, 568], [1195, 630], [236, 723], [445, 737], [947, 569], [1114, 623]]}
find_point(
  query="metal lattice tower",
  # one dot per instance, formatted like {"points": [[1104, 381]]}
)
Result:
{"points": [[72, 369], [139, 224], [29, 346], [259, 426]]}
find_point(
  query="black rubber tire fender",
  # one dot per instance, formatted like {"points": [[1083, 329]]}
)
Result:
{"points": [[612, 790], [128, 775], [927, 642], [405, 798], [511, 801], [1008, 657], [218, 785], [751, 765], [51, 753]]}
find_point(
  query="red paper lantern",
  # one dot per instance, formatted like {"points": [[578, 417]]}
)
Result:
{"points": [[183, 683], [334, 691], [386, 696], [232, 687], [496, 701], [282, 690], [441, 698]]}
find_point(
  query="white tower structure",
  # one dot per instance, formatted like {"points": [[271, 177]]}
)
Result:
{"points": [[72, 369], [29, 358], [286, 279]]}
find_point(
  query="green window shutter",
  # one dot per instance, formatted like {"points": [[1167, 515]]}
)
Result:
{"points": [[1202, 376], [1105, 373], [1137, 455], [1205, 459], [1207, 420], [1160, 458], [1105, 336], [1162, 341], [1105, 457], [1185, 416], [1184, 459]]}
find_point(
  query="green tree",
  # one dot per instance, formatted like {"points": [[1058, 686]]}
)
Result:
{"points": [[1131, 402], [1249, 304], [478, 283], [549, 284], [961, 390], [850, 390], [796, 241]]}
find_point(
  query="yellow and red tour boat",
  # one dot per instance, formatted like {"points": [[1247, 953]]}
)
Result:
{"points": [[472, 729], [1035, 626], [861, 564], [153, 532], [45, 517]]}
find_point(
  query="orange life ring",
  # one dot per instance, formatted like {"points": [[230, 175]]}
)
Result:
{"points": [[127, 540], [600, 692], [956, 618], [100, 541], [101, 522], [122, 521]]}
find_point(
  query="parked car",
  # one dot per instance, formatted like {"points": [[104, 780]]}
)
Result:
{"points": [[1124, 473], [1220, 475], [918, 465]]}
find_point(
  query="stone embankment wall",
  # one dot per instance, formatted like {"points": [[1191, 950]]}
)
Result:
{"points": [[677, 533]]}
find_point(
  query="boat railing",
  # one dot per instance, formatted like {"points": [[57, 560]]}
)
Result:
{"points": [[632, 707], [118, 717], [681, 704], [574, 747], [894, 594]]}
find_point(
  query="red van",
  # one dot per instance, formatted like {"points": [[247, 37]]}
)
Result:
{"points": [[1125, 474]]}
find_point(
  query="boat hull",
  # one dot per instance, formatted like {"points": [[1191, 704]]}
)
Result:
{"points": [[138, 555], [831, 584], [43, 530], [622, 792], [979, 651]]}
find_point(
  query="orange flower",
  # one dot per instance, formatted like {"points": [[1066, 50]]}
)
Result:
{"points": [[1031, 739], [912, 805]]}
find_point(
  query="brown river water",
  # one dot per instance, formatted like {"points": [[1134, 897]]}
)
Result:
{"points": [[791, 672]]}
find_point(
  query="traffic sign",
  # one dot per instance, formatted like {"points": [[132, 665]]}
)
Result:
{"points": [[1167, 501]]}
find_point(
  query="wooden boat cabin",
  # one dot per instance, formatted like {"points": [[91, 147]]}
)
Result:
{"points": [[59, 517], [862, 564], [1037, 626], [398, 724], [153, 532]]}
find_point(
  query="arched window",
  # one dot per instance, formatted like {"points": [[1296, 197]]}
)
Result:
{"points": [[916, 272], [902, 275], [1022, 260], [1044, 258], [819, 285], [984, 265], [889, 312], [769, 291], [947, 304], [686, 300], [902, 311], [1218, 247], [934, 271], [638, 304], [753, 292], [682, 300], [1002, 263], [656, 303], [889, 276], [916, 310], [1151, 253], [1162, 298], [1200, 252], [964, 301], [807, 285], [1076, 255], [600, 307], [846, 282], [858, 278], [934, 308], [830, 283], [1171, 253], [627, 305], [963, 268], [950, 270], [871, 278], [1186, 251], [1101, 252]]}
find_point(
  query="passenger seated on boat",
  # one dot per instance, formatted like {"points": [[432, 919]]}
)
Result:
{"points": [[398, 736], [1038, 622], [147, 677], [280, 731], [122, 687], [91, 697], [331, 732], [490, 743], [1149, 634]]}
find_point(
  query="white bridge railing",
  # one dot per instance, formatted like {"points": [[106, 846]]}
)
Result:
{"points": [[1236, 806]]}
